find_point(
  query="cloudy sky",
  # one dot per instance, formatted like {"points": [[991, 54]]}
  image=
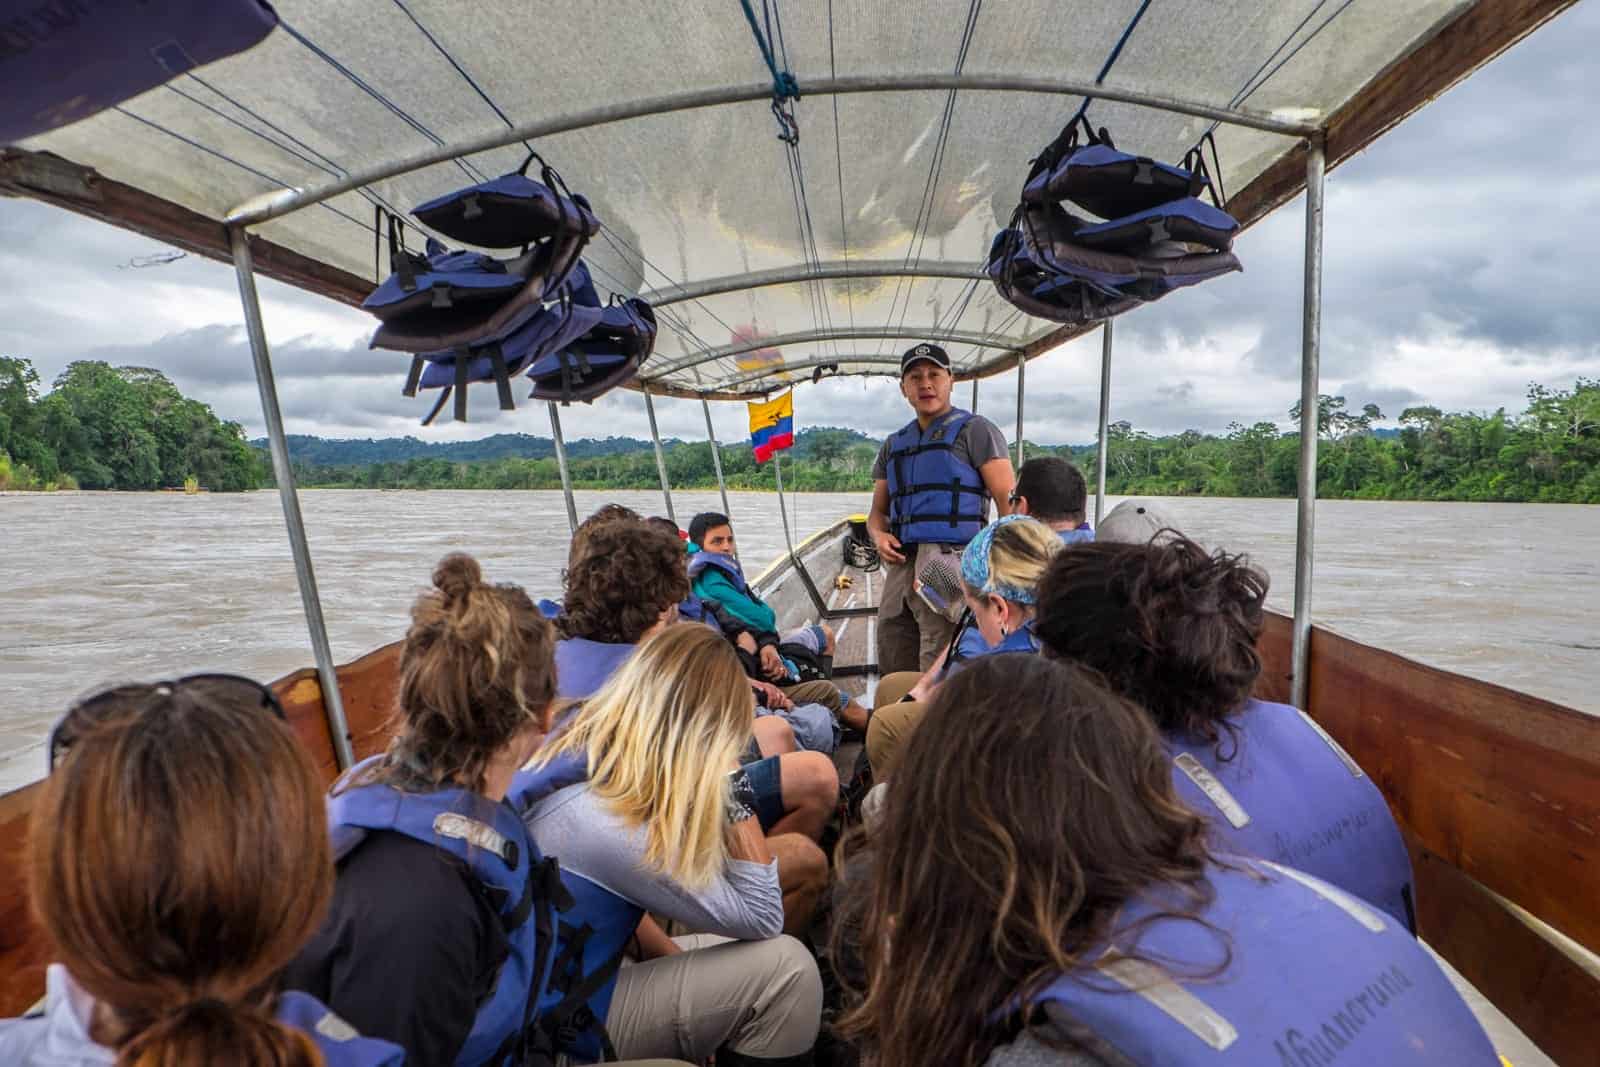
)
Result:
{"points": [[1460, 266]]}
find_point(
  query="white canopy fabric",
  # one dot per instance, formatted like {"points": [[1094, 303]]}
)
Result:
{"points": [[891, 184]]}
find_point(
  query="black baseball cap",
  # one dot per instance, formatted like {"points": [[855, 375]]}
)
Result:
{"points": [[924, 353]]}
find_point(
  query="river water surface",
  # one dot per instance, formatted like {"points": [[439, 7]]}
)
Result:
{"points": [[119, 586]]}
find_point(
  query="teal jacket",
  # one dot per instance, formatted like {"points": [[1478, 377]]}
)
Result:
{"points": [[718, 578]]}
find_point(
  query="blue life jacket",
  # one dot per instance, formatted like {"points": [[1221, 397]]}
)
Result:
{"points": [[1040, 265], [520, 345], [337, 1040], [606, 355], [64, 62], [1313, 973], [934, 498], [549, 609], [1081, 535], [492, 842], [1190, 221], [583, 666], [1111, 183], [1290, 794], [969, 644], [702, 560], [443, 283], [509, 211], [591, 938]]}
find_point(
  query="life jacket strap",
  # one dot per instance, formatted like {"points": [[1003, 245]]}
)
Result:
{"points": [[572, 1017], [413, 377]]}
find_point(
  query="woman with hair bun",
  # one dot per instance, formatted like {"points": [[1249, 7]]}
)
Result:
{"points": [[178, 859], [433, 940]]}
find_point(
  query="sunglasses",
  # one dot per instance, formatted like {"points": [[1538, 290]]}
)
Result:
{"points": [[146, 699]]}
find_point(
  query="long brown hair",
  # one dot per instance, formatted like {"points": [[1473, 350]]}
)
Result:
{"points": [[477, 668], [179, 859], [1030, 804]]}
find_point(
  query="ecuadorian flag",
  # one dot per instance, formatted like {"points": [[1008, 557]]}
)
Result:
{"points": [[772, 426]]}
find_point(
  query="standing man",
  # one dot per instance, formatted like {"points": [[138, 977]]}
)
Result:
{"points": [[932, 484]]}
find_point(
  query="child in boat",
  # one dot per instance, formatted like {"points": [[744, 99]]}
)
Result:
{"points": [[1037, 895], [1000, 568], [657, 816], [1053, 491], [798, 661], [432, 863], [624, 582], [1173, 628], [170, 934]]}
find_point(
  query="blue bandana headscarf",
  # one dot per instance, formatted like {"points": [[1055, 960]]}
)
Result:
{"points": [[975, 564]]}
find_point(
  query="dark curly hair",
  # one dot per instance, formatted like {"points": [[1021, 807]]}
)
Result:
{"points": [[1029, 807], [1171, 627], [620, 579], [477, 667]]}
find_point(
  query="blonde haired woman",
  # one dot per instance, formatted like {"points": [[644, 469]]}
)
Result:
{"points": [[1000, 570], [651, 813]]}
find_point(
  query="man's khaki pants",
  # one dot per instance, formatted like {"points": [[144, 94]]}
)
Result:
{"points": [[910, 633]]}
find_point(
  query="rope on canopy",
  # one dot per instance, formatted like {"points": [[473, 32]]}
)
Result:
{"points": [[930, 187], [287, 200]]}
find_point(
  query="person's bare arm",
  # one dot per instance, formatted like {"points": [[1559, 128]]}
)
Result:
{"points": [[928, 684], [653, 941], [999, 479], [746, 841], [888, 544]]}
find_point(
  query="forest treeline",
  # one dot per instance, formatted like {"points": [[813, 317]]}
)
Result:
{"points": [[103, 427]]}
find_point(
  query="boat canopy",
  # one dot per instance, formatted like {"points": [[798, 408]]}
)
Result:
{"points": [[768, 262]]}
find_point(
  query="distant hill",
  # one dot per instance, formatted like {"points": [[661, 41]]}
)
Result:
{"points": [[360, 452], [363, 452]]}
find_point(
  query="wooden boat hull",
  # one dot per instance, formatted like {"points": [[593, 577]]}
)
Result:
{"points": [[1498, 793]]}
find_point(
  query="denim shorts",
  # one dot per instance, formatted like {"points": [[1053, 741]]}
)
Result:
{"points": [[767, 780]]}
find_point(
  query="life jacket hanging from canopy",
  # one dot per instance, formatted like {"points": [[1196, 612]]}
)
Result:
{"points": [[573, 349], [1158, 235], [1100, 178], [604, 358], [510, 211], [446, 299], [1307, 972], [60, 66], [540, 329]]}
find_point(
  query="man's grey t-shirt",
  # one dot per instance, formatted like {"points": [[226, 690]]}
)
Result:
{"points": [[978, 442]]}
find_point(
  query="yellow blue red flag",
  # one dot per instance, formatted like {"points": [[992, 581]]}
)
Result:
{"points": [[771, 425]]}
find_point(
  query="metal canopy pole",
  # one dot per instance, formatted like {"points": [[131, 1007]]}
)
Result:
{"points": [[974, 396], [280, 202], [1310, 384], [716, 456], [777, 473], [1105, 416], [679, 292], [278, 445], [561, 462], [842, 333], [661, 459], [1022, 372]]}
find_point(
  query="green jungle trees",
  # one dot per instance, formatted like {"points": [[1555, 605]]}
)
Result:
{"points": [[105, 427]]}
